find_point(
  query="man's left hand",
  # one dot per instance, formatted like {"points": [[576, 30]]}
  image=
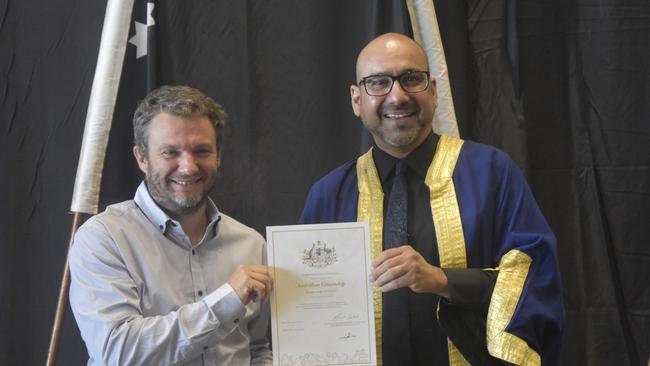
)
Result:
{"points": [[405, 267]]}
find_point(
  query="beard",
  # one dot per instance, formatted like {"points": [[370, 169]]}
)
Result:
{"points": [[398, 136], [175, 204]]}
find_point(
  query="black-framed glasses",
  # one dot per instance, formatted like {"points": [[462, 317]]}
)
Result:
{"points": [[410, 81]]}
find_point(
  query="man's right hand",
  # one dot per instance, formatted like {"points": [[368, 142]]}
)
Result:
{"points": [[251, 283]]}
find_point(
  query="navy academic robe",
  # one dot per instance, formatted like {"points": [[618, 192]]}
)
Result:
{"points": [[503, 228]]}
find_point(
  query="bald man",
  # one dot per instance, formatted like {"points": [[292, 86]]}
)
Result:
{"points": [[465, 265]]}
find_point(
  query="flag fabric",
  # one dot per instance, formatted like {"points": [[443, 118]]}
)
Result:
{"points": [[427, 33], [144, 40], [126, 72], [99, 116], [139, 77]]}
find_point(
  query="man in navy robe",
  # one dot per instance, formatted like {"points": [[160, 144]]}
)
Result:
{"points": [[475, 277]]}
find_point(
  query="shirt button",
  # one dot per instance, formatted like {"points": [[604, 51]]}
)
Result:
{"points": [[205, 348], [236, 320], [193, 252], [160, 226], [200, 293]]}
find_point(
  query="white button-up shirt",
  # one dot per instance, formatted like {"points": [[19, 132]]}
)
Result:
{"points": [[143, 295]]}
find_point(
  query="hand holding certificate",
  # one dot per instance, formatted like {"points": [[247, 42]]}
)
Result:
{"points": [[321, 307]]}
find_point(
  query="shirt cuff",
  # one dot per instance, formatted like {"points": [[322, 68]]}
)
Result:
{"points": [[226, 307], [470, 287]]}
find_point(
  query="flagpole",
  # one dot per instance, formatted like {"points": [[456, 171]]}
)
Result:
{"points": [[77, 220], [85, 197], [427, 33]]}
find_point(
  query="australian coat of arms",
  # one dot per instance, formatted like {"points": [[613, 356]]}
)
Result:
{"points": [[319, 255]]}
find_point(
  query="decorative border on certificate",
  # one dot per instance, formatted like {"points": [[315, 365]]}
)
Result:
{"points": [[322, 304]]}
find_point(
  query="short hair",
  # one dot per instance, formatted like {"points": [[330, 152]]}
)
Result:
{"points": [[180, 101]]}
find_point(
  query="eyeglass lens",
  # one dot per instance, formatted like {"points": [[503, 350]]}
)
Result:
{"points": [[411, 82]]}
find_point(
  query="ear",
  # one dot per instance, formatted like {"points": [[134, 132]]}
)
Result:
{"points": [[355, 99], [143, 163]]}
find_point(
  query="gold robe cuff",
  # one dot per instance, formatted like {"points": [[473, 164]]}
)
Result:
{"points": [[513, 270]]}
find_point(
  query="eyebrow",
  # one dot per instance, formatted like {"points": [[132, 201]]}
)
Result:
{"points": [[204, 146], [169, 146], [177, 147]]}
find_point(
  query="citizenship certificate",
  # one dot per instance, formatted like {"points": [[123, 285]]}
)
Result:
{"points": [[321, 305]]}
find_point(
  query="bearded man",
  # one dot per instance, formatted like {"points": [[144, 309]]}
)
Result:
{"points": [[166, 278]]}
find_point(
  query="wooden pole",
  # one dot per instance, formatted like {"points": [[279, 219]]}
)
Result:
{"points": [[99, 116], [63, 297]]}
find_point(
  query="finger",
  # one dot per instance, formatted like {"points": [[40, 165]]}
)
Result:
{"points": [[391, 274], [258, 268], [393, 285], [258, 291], [386, 266], [385, 255], [263, 275], [240, 281], [251, 281], [265, 279], [252, 268], [243, 273], [407, 256]]}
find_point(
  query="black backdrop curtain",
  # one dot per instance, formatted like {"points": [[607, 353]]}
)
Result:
{"points": [[560, 85]]}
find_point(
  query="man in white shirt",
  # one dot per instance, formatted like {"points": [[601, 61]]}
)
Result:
{"points": [[166, 278]]}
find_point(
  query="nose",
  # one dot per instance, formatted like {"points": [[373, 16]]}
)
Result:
{"points": [[187, 164], [397, 95]]}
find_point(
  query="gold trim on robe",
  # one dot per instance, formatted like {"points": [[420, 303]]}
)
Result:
{"points": [[513, 270], [444, 205], [446, 216], [370, 208]]}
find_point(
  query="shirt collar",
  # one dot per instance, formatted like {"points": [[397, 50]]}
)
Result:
{"points": [[159, 218], [418, 160]]}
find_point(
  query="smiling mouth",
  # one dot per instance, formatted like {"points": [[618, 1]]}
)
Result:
{"points": [[186, 182], [398, 115]]}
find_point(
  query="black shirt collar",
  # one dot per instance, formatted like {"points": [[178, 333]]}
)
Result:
{"points": [[418, 160]]}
